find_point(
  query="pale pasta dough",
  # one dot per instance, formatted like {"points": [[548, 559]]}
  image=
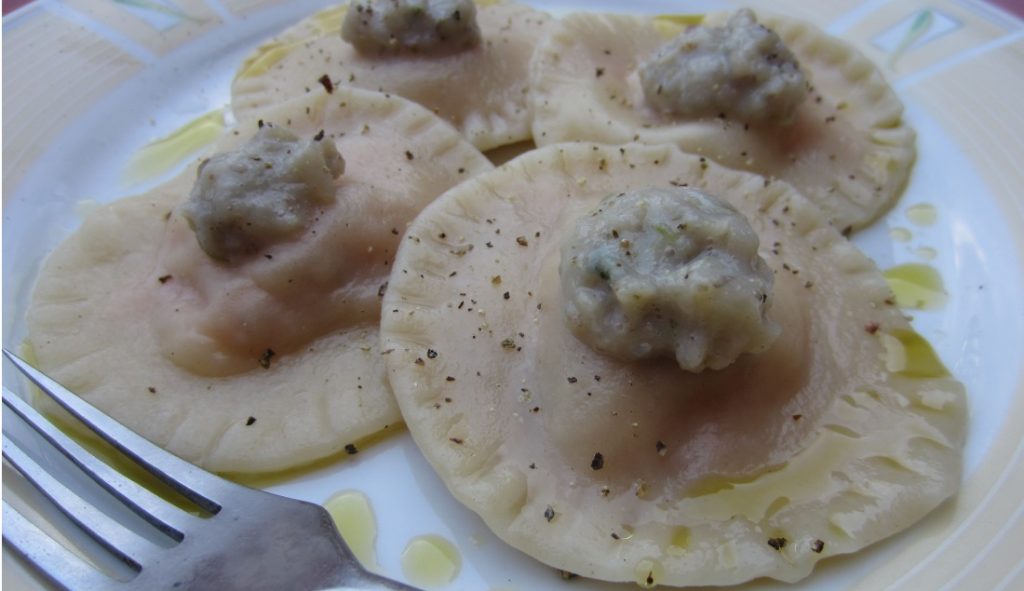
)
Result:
{"points": [[638, 470], [846, 146], [482, 90], [266, 362]]}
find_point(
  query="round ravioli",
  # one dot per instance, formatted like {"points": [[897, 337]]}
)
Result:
{"points": [[846, 146], [264, 363], [842, 432], [482, 91]]}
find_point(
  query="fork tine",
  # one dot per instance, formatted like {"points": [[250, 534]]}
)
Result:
{"points": [[61, 566], [159, 513], [195, 484], [123, 543]]}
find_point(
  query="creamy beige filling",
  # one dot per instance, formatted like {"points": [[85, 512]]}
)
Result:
{"points": [[420, 26], [741, 69], [667, 272], [268, 191]]}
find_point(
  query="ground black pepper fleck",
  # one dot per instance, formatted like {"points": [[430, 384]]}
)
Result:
{"points": [[326, 81], [265, 358]]}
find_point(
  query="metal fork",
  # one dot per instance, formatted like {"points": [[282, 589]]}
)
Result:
{"points": [[249, 539]]}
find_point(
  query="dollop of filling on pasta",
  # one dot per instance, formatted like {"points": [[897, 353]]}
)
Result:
{"points": [[667, 272], [741, 70], [269, 190], [418, 26]]}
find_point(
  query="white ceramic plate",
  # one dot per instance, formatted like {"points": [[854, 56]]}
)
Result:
{"points": [[90, 82]]}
